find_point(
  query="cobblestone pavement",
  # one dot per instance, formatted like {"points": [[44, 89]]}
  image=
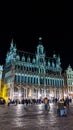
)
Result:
{"points": [[33, 117]]}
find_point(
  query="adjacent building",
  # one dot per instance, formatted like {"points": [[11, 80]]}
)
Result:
{"points": [[69, 81], [1, 73], [31, 75]]}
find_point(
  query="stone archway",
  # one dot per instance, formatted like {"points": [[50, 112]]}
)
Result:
{"points": [[21, 92], [16, 92]]}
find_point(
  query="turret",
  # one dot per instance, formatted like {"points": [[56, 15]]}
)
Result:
{"points": [[11, 54]]}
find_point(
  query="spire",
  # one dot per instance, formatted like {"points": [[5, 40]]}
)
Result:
{"points": [[54, 55], [12, 42], [40, 40]]}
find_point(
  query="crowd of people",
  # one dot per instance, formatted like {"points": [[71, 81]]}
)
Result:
{"points": [[2, 101], [62, 104]]}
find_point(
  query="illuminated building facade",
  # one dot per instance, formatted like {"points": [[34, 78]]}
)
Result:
{"points": [[1, 72], [69, 81], [33, 75]]}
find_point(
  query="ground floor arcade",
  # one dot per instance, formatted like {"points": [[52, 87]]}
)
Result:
{"points": [[20, 91]]}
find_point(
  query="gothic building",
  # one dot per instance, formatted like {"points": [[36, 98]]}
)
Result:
{"points": [[69, 81], [1, 73], [33, 75]]}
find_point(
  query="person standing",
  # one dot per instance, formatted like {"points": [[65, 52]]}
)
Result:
{"points": [[8, 101], [46, 103]]}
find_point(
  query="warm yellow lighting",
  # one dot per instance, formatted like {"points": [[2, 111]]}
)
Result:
{"points": [[30, 92], [3, 92]]}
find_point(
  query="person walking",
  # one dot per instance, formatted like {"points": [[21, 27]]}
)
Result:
{"points": [[46, 104]]}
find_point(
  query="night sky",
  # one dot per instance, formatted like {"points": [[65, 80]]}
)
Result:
{"points": [[26, 22]]}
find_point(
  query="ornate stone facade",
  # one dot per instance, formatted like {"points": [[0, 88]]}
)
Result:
{"points": [[69, 81], [1, 73], [33, 75]]}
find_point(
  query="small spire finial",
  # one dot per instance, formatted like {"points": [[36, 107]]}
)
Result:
{"points": [[40, 38], [12, 40]]}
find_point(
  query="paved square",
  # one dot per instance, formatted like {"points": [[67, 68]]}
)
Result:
{"points": [[33, 117]]}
